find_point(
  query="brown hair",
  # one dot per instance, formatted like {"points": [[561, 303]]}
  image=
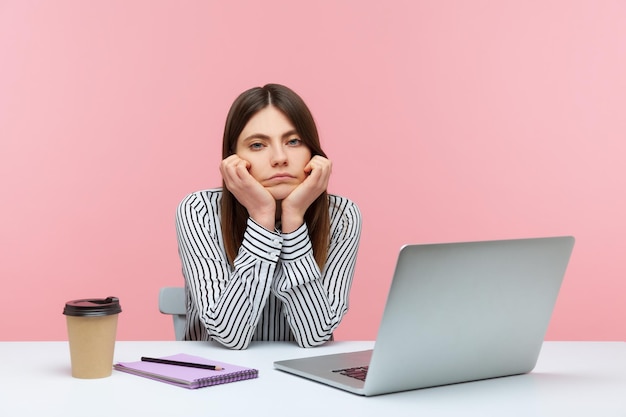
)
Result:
{"points": [[234, 215]]}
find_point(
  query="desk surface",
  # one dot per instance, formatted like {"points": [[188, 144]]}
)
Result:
{"points": [[571, 378]]}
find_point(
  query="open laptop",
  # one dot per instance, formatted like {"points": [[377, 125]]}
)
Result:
{"points": [[456, 312]]}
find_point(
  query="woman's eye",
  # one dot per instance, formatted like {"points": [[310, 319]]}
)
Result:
{"points": [[256, 146], [294, 142]]}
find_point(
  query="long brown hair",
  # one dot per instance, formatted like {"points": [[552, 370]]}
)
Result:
{"points": [[234, 215]]}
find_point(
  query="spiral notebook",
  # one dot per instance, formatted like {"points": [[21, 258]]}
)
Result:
{"points": [[187, 377]]}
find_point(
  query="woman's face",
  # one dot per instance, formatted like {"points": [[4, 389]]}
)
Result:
{"points": [[277, 155]]}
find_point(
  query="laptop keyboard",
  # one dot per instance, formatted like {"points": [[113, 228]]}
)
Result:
{"points": [[360, 372]]}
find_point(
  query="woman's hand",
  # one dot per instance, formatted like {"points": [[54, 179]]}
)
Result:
{"points": [[295, 205], [248, 191]]}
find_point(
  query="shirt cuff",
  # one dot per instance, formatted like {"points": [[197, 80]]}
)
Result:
{"points": [[261, 242], [296, 244]]}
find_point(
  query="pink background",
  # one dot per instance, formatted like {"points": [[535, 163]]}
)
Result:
{"points": [[445, 120]]}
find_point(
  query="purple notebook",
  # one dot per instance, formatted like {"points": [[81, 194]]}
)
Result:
{"points": [[186, 377]]}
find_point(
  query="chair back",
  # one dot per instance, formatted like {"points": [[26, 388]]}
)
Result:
{"points": [[172, 301]]}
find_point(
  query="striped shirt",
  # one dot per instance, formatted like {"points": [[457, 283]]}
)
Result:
{"points": [[275, 291]]}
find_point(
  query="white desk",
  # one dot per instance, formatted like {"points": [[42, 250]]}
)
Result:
{"points": [[571, 379]]}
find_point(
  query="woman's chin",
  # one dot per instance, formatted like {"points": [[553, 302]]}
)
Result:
{"points": [[280, 192]]}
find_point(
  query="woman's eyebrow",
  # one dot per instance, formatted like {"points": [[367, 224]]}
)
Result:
{"points": [[255, 136], [290, 133]]}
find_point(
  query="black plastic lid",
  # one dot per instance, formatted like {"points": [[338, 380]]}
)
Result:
{"points": [[93, 307]]}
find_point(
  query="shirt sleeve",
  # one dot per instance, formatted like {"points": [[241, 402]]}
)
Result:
{"points": [[228, 301], [315, 301]]}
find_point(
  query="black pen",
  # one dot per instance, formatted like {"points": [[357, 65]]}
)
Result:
{"points": [[179, 363]]}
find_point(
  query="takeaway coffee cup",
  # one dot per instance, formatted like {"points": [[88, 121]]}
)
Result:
{"points": [[91, 330]]}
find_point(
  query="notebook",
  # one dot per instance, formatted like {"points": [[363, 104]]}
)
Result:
{"points": [[455, 312], [187, 377]]}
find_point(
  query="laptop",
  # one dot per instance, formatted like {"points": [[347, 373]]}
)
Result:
{"points": [[455, 312]]}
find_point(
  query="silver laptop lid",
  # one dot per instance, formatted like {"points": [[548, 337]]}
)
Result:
{"points": [[459, 312]]}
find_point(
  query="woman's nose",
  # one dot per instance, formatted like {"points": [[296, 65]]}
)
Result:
{"points": [[279, 157]]}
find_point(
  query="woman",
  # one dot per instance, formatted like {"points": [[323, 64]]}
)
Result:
{"points": [[270, 255]]}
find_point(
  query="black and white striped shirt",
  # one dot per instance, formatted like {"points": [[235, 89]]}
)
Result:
{"points": [[275, 291]]}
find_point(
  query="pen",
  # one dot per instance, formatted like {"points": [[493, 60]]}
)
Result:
{"points": [[180, 363]]}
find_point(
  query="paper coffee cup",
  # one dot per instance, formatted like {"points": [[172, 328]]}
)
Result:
{"points": [[91, 331]]}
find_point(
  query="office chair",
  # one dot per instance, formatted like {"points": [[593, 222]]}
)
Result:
{"points": [[172, 301]]}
